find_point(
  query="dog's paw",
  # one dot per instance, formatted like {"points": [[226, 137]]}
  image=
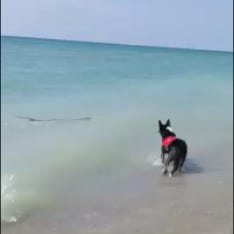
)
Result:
{"points": [[169, 175]]}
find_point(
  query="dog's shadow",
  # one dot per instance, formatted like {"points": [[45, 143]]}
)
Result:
{"points": [[192, 167]]}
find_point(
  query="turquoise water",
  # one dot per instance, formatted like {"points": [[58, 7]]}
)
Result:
{"points": [[125, 90]]}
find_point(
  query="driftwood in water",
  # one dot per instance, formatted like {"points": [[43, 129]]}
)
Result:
{"points": [[42, 120]]}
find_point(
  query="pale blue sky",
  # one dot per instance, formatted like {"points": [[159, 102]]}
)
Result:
{"points": [[199, 24]]}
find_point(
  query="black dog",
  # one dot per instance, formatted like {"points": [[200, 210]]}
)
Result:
{"points": [[175, 148]]}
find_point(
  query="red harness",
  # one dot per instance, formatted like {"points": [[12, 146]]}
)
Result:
{"points": [[167, 140]]}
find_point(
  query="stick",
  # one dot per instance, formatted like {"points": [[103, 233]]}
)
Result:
{"points": [[42, 120]]}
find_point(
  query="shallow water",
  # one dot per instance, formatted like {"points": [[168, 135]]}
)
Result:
{"points": [[102, 176]]}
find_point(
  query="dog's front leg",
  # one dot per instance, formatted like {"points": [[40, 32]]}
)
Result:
{"points": [[163, 154]]}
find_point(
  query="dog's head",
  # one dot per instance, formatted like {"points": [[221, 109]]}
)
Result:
{"points": [[165, 129]]}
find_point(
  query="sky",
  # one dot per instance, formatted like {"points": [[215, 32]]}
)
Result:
{"points": [[196, 24]]}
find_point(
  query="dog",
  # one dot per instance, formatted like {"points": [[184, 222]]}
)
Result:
{"points": [[175, 148]]}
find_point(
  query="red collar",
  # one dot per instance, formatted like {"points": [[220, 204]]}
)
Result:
{"points": [[167, 140]]}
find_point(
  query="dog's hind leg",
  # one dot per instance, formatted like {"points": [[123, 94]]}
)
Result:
{"points": [[181, 163], [168, 160], [175, 167], [172, 157]]}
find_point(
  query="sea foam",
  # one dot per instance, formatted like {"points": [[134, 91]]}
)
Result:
{"points": [[8, 198]]}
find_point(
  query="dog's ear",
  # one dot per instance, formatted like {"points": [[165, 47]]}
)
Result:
{"points": [[168, 123], [159, 124]]}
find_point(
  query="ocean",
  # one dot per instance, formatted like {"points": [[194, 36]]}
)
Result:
{"points": [[101, 174]]}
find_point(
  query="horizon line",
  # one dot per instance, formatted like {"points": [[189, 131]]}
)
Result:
{"points": [[119, 44]]}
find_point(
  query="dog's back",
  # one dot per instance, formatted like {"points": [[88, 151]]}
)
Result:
{"points": [[180, 146], [177, 152]]}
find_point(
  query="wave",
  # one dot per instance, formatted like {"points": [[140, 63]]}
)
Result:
{"points": [[17, 202], [154, 160], [8, 199], [66, 159]]}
